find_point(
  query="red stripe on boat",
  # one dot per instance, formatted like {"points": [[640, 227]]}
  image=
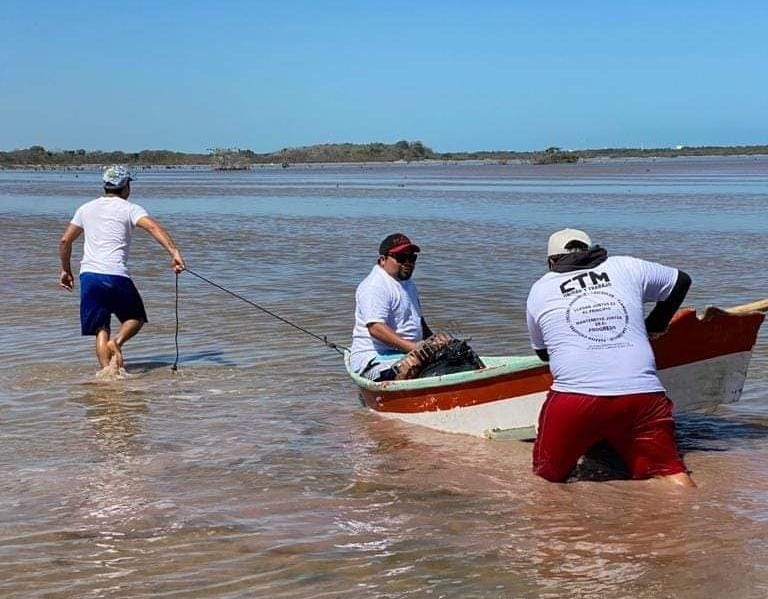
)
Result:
{"points": [[717, 333], [464, 394]]}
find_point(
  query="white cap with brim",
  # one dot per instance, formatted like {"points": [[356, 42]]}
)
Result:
{"points": [[559, 240], [116, 176]]}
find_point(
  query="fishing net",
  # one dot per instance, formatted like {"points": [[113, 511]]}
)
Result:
{"points": [[436, 356]]}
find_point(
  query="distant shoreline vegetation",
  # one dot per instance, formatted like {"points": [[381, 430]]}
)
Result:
{"points": [[408, 151]]}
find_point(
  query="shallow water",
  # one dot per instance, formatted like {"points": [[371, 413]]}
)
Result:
{"points": [[254, 472]]}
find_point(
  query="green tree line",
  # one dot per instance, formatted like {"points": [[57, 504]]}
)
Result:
{"points": [[234, 158]]}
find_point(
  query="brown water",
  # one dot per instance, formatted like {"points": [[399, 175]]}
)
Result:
{"points": [[254, 472]]}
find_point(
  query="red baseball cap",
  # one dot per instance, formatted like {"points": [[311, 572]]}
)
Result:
{"points": [[396, 243]]}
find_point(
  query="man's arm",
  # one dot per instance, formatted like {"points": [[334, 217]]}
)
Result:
{"points": [[534, 332], [164, 238], [386, 334], [72, 232], [658, 320]]}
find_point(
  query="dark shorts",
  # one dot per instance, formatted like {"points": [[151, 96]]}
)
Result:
{"points": [[639, 426], [104, 295]]}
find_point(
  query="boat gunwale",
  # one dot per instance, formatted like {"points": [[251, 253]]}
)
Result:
{"points": [[523, 366]]}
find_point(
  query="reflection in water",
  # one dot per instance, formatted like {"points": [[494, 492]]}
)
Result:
{"points": [[112, 498], [590, 538], [113, 414]]}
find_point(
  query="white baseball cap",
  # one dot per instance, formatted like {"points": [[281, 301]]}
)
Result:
{"points": [[559, 241]]}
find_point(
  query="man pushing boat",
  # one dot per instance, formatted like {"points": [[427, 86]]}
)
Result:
{"points": [[585, 317]]}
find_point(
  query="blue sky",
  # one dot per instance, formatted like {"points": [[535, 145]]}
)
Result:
{"points": [[457, 75]]}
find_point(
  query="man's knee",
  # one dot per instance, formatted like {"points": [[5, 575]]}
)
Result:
{"points": [[552, 463]]}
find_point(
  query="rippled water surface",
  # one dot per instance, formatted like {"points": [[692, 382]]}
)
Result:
{"points": [[254, 472]]}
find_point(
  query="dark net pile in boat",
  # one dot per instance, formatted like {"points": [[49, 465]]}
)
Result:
{"points": [[454, 356]]}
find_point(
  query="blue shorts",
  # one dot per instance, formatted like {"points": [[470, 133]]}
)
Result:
{"points": [[104, 295]]}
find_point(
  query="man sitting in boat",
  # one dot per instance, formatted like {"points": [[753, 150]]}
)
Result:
{"points": [[388, 317], [585, 317]]}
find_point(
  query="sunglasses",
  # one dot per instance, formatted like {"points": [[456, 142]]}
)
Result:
{"points": [[403, 258]]}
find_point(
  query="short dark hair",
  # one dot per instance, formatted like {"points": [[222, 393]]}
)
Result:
{"points": [[576, 245], [112, 189]]}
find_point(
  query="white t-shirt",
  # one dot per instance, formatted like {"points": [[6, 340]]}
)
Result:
{"points": [[383, 298], [592, 324], [108, 222]]}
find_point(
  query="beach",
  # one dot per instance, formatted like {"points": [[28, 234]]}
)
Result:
{"points": [[253, 470]]}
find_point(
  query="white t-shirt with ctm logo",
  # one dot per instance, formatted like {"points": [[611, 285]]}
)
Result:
{"points": [[592, 324]]}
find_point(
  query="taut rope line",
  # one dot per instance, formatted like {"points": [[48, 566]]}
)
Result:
{"points": [[175, 366], [338, 348]]}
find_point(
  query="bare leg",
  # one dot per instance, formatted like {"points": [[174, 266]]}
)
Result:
{"points": [[103, 353], [681, 479], [127, 330]]}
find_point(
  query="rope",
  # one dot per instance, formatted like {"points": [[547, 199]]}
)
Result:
{"points": [[175, 366], [338, 348]]}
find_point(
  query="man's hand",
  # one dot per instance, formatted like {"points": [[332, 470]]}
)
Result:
{"points": [[66, 280], [429, 346], [440, 338], [177, 262]]}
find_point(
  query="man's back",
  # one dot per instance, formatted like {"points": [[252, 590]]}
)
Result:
{"points": [[108, 223], [591, 322]]}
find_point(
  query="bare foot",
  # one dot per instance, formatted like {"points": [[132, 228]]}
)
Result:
{"points": [[117, 355], [107, 373], [681, 479]]}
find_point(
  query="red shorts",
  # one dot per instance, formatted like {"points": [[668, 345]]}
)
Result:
{"points": [[638, 426]]}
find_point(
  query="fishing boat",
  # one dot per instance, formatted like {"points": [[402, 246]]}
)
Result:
{"points": [[701, 360]]}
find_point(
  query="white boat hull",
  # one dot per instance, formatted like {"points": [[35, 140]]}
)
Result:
{"points": [[700, 386]]}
